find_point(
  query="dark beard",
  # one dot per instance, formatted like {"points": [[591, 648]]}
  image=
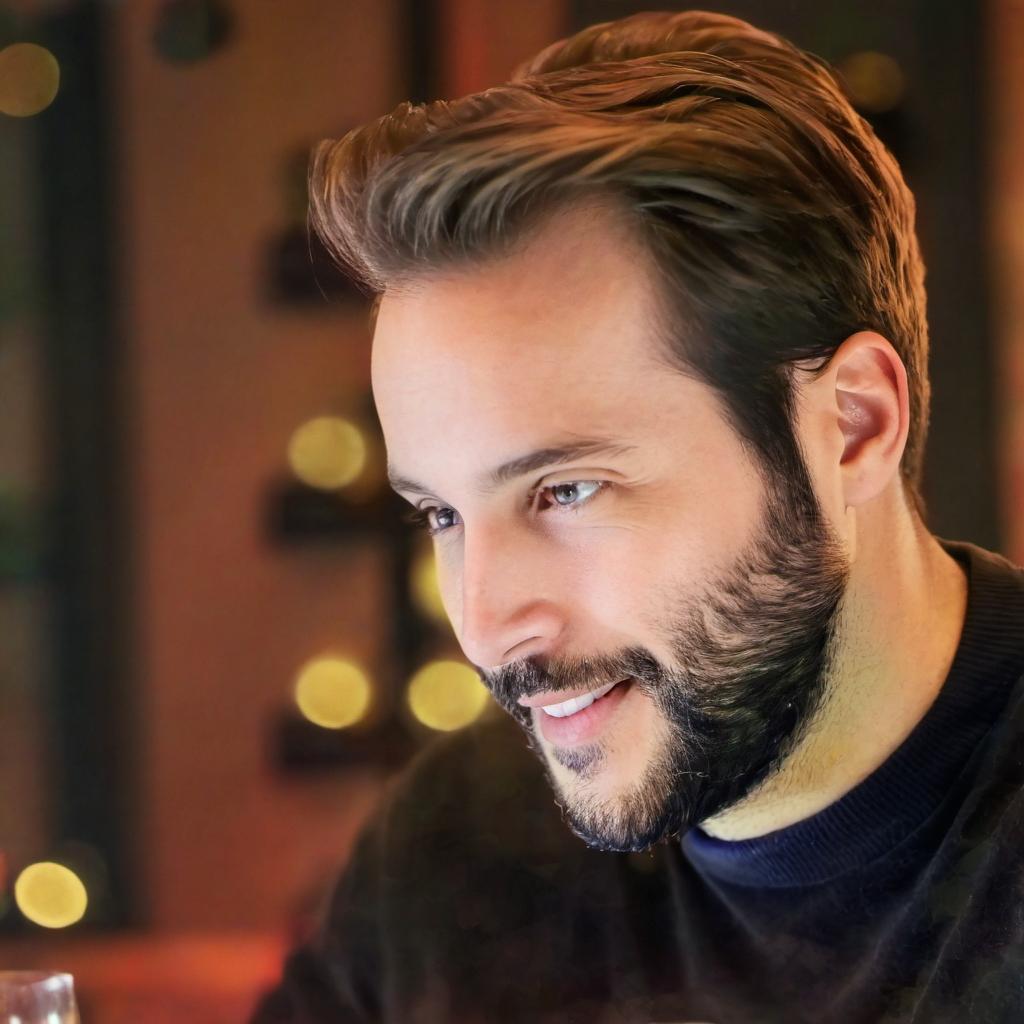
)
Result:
{"points": [[753, 654]]}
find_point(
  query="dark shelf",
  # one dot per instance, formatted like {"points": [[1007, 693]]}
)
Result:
{"points": [[299, 514], [301, 273], [301, 746]]}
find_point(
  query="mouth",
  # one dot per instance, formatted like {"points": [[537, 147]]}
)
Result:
{"points": [[582, 718], [555, 699], [574, 705]]}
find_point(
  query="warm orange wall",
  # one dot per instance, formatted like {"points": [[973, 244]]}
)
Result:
{"points": [[1006, 88], [26, 746], [217, 379], [486, 39]]}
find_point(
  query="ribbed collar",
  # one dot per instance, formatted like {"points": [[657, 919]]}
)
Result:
{"points": [[901, 793]]}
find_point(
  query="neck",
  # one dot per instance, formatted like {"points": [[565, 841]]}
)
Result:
{"points": [[899, 626]]}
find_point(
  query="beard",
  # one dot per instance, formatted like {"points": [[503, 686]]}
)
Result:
{"points": [[752, 664]]}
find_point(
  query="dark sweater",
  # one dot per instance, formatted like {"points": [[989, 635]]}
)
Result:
{"points": [[468, 899]]}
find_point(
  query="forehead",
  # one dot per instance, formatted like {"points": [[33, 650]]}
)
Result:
{"points": [[558, 337]]}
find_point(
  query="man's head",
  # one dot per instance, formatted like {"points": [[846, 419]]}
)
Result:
{"points": [[635, 312]]}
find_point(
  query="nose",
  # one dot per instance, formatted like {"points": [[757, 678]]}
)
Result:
{"points": [[510, 607]]}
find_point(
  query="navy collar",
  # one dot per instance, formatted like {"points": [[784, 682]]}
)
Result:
{"points": [[891, 803]]}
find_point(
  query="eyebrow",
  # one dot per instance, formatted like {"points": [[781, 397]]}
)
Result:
{"points": [[555, 454]]}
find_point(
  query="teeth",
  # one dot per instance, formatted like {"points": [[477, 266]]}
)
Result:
{"points": [[574, 704]]}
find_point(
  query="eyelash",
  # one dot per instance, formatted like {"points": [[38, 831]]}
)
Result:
{"points": [[420, 517]]}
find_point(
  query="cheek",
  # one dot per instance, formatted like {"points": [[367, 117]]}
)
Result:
{"points": [[621, 586], [648, 583], [615, 588], [698, 536], [449, 584]]}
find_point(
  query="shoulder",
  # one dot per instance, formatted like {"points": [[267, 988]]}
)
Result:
{"points": [[481, 791], [987, 835], [466, 897], [472, 865]]}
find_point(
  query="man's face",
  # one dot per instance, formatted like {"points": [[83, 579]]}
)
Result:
{"points": [[656, 553]]}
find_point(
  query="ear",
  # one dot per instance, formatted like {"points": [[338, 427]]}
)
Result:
{"points": [[871, 409]]}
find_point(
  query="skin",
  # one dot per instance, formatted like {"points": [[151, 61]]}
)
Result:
{"points": [[557, 341]]}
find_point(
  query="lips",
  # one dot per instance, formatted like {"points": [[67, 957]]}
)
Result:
{"points": [[585, 724]]}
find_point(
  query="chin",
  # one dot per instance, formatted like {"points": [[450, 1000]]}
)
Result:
{"points": [[614, 800]]}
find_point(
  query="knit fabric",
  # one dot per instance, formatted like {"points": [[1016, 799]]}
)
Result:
{"points": [[468, 899]]}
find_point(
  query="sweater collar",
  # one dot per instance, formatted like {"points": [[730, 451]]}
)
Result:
{"points": [[887, 806]]}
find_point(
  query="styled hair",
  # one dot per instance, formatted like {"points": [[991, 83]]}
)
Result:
{"points": [[778, 223]]}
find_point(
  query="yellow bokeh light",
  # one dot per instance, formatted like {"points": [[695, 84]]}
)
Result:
{"points": [[332, 692], [373, 477], [327, 452], [446, 695], [50, 895], [425, 590], [873, 80], [29, 79]]}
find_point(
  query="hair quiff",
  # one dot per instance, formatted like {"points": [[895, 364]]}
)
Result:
{"points": [[777, 220]]}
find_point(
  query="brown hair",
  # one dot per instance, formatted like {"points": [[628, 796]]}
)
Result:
{"points": [[779, 224]]}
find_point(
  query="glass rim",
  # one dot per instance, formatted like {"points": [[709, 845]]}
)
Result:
{"points": [[47, 981]]}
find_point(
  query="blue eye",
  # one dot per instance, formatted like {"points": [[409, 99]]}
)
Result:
{"points": [[433, 517], [573, 487], [423, 518]]}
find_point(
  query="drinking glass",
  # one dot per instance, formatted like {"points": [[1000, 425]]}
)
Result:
{"points": [[37, 997]]}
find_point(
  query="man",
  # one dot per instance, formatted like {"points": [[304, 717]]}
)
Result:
{"points": [[650, 358]]}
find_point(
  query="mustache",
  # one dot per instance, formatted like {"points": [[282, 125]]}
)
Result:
{"points": [[528, 677]]}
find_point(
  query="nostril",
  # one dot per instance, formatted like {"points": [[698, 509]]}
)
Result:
{"points": [[516, 653]]}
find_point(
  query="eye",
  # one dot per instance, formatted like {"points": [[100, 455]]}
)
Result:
{"points": [[571, 492], [570, 496], [424, 518]]}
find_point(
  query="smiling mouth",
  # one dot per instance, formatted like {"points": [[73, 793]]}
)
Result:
{"points": [[582, 719], [574, 705]]}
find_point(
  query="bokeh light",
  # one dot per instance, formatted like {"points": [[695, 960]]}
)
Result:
{"points": [[333, 692], [874, 81], [426, 593], [327, 452], [373, 474], [50, 895], [447, 695], [89, 864], [29, 79]]}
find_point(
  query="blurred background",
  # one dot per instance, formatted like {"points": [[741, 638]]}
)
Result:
{"points": [[218, 638]]}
